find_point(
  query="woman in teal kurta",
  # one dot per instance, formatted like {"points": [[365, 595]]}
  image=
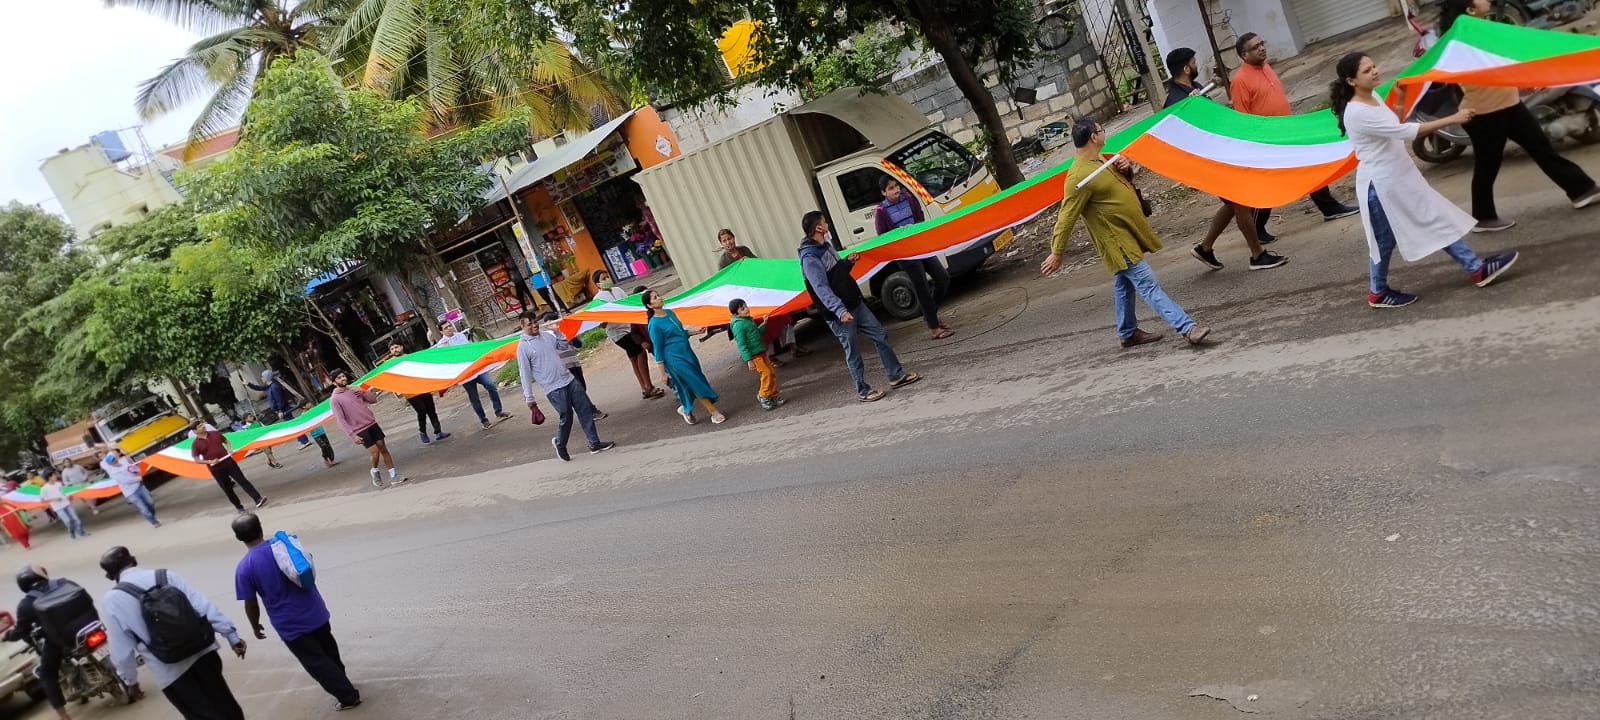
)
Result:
{"points": [[669, 341]]}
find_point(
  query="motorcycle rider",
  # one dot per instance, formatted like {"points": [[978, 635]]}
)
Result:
{"points": [[1502, 116], [32, 580]]}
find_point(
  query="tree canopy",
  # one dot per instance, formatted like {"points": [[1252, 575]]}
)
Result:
{"points": [[670, 45]]}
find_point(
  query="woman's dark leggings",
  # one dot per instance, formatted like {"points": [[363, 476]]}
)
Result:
{"points": [[426, 412], [1489, 133]]}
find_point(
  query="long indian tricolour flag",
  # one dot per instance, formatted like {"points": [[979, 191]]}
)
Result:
{"points": [[429, 370], [26, 497], [1480, 52]]}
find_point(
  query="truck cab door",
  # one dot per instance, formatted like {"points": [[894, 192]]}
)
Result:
{"points": [[853, 194]]}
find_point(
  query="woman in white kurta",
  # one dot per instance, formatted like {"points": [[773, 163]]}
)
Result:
{"points": [[1398, 207]]}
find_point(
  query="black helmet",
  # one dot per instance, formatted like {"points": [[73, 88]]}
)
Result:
{"points": [[115, 560], [31, 577]]}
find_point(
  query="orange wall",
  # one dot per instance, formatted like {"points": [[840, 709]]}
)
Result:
{"points": [[546, 215], [641, 131]]}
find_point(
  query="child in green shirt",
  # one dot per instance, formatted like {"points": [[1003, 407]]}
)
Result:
{"points": [[753, 348]]}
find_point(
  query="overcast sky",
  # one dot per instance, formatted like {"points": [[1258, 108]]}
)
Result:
{"points": [[71, 70]]}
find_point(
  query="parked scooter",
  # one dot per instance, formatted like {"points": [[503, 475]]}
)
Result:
{"points": [[86, 670], [1563, 112]]}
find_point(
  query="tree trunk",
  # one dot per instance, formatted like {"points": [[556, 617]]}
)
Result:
{"points": [[931, 21], [342, 346], [301, 378], [195, 412]]}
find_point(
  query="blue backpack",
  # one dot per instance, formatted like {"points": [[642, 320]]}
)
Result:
{"points": [[293, 559]]}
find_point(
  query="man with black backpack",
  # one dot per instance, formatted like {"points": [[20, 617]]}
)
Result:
{"points": [[48, 618], [155, 614]]}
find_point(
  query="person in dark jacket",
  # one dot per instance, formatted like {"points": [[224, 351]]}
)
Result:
{"points": [[900, 209], [838, 297], [32, 580], [280, 398]]}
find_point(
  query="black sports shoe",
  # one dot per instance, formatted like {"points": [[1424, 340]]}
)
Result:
{"points": [[602, 447], [561, 452], [1493, 267], [1343, 211], [1266, 238], [1267, 260], [1206, 256], [1390, 299]]}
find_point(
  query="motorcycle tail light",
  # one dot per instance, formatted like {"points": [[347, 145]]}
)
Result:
{"points": [[95, 639]]}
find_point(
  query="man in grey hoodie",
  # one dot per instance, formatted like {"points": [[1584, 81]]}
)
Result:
{"points": [[539, 361]]}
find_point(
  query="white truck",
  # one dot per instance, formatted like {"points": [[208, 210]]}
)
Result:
{"points": [[828, 155]]}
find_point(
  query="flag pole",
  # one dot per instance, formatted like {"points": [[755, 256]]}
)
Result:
{"points": [[1118, 156]]}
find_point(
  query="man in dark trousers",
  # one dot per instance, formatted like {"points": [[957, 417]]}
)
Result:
{"points": [[211, 448], [193, 684], [33, 581], [298, 613]]}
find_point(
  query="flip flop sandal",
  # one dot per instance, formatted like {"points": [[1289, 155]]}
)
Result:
{"points": [[942, 333], [873, 396], [905, 380], [687, 417]]}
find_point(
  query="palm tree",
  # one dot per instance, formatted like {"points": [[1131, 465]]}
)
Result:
{"points": [[466, 66], [244, 36]]}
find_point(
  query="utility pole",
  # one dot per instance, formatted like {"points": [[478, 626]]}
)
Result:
{"points": [[1133, 32], [1220, 69]]}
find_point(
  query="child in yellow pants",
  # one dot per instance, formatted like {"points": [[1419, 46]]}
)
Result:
{"points": [[747, 335]]}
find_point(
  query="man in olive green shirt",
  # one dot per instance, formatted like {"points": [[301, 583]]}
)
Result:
{"points": [[1121, 237]]}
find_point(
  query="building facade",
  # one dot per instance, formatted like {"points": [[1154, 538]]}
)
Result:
{"points": [[106, 182], [1288, 26]]}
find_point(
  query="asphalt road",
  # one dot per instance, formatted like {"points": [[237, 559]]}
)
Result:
{"points": [[1339, 511]]}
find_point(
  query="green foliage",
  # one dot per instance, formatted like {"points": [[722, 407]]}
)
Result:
{"points": [[37, 263], [865, 61], [470, 61], [669, 45], [321, 175]]}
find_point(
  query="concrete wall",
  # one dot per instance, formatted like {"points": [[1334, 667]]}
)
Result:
{"points": [[97, 195], [1179, 23], [1070, 83]]}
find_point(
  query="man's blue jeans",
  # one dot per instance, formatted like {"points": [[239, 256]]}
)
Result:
{"points": [[564, 402], [1383, 235], [472, 396], [140, 500], [1140, 279], [866, 324], [69, 517]]}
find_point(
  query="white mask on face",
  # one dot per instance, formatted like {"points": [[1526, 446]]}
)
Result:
{"points": [[827, 237]]}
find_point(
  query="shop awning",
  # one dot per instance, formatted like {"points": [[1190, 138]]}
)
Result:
{"points": [[550, 164]]}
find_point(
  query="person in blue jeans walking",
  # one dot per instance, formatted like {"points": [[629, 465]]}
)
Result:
{"points": [[837, 296], [1120, 234], [1400, 210], [125, 473], [539, 361], [449, 336]]}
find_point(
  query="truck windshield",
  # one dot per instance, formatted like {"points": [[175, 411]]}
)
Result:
{"points": [[936, 161], [134, 416]]}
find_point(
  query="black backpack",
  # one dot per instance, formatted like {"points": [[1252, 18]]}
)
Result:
{"points": [[177, 632], [63, 608]]}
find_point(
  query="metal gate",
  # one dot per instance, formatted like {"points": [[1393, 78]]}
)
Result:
{"points": [[1117, 37]]}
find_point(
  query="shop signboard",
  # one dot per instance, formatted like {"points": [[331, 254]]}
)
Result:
{"points": [[505, 289], [611, 160], [617, 265]]}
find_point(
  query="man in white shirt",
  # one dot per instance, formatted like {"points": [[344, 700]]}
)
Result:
{"points": [[194, 685], [449, 336], [125, 473], [54, 492]]}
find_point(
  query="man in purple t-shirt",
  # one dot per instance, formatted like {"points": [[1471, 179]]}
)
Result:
{"points": [[298, 614]]}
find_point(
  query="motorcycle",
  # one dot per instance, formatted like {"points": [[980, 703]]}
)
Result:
{"points": [[1562, 112], [86, 670]]}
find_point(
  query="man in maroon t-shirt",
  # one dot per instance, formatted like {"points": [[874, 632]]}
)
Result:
{"points": [[211, 448]]}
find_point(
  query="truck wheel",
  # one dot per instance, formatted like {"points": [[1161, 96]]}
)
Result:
{"points": [[35, 692], [899, 300]]}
